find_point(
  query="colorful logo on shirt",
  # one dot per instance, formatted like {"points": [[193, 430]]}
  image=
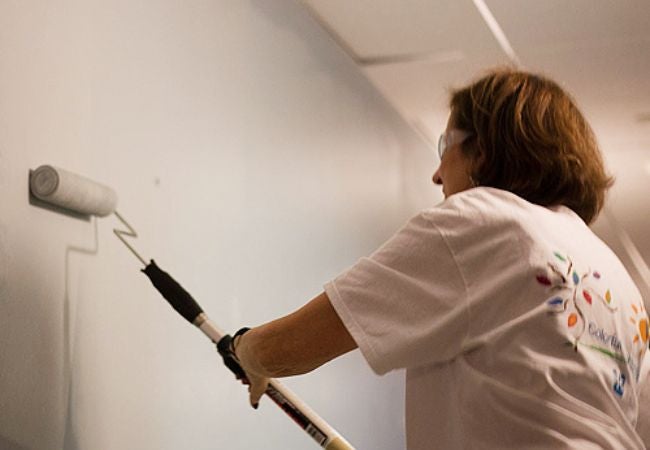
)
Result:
{"points": [[640, 322], [619, 383], [574, 293]]}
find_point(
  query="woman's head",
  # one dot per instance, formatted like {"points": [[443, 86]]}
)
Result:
{"points": [[524, 134]]}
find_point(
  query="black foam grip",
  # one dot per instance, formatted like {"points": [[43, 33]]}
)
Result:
{"points": [[173, 292]]}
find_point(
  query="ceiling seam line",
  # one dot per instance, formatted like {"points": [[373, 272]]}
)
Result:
{"points": [[497, 31], [336, 37]]}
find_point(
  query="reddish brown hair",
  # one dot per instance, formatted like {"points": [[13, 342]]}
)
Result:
{"points": [[530, 138]]}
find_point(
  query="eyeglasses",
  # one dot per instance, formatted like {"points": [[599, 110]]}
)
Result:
{"points": [[451, 138]]}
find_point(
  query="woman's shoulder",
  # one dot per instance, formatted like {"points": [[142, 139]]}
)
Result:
{"points": [[487, 205], [488, 218], [479, 206], [492, 199]]}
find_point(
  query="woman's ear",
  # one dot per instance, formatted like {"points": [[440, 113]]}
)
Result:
{"points": [[476, 165]]}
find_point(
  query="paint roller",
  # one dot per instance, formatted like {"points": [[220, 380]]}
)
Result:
{"points": [[81, 195]]}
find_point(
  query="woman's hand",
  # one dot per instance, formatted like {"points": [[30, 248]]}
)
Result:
{"points": [[257, 383]]}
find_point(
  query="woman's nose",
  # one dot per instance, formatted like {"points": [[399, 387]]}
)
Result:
{"points": [[436, 177]]}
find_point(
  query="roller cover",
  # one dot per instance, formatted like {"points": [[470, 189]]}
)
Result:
{"points": [[173, 292], [71, 191]]}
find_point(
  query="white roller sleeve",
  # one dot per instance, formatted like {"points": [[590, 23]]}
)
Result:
{"points": [[71, 191]]}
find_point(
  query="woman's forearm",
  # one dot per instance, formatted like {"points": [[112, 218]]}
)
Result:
{"points": [[297, 343]]}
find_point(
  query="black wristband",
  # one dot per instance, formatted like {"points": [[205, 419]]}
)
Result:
{"points": [[239, 332], [227, 351]]}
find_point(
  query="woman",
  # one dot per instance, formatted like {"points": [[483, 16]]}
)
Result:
{"points": [[518, 328]]}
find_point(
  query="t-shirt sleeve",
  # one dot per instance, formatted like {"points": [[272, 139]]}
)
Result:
{"points": [[406, 304]]}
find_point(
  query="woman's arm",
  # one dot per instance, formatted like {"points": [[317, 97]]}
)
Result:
{"points": [[292, 345]]}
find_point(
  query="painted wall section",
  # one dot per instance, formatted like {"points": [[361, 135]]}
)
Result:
{"points": [[256, 163]]}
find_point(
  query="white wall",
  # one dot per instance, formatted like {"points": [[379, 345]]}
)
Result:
{"points": [[255, 162]]}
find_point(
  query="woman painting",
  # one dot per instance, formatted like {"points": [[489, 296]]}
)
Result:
{"points": [[517, 326]]}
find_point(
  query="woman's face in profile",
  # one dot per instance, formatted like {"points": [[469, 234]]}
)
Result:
{"points": [[455, 168]]}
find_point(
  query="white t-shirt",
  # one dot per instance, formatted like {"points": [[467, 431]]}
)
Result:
{"points": [[518, 327]]}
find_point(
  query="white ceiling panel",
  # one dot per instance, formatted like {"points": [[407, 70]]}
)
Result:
{"points": [[553, 24], [371, 28]]}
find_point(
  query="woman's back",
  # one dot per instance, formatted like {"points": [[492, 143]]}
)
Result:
{"points": [[556, 334]]}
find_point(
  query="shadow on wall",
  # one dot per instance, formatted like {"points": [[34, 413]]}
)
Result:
{"points": [[6, 444], [70, 323], [69, 439]]}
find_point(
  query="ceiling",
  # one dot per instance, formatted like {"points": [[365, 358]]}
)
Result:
{"points": [[599, 50]]}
